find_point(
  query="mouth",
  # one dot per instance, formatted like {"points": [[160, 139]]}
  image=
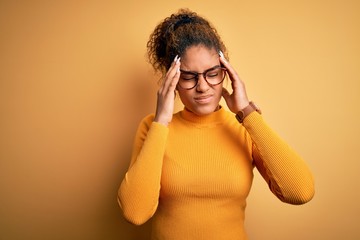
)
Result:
{"points": [[203, 99]]}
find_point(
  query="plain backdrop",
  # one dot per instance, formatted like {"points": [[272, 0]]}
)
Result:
{"points": [[74, 84]]}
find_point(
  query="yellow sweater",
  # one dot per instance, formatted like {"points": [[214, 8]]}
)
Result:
{"points": [[193, 177]]}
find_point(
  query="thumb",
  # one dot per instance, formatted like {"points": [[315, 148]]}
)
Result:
{"points": [[225, 94]]}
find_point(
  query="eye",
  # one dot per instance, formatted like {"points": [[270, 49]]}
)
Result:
{"points": [[213, 73], [187, 76]]}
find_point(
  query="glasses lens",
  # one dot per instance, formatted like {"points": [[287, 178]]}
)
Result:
{"points": [[215, 76], [187, 80]]}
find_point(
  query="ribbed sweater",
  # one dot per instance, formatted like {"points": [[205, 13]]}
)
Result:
{"points": [[193, 176]]}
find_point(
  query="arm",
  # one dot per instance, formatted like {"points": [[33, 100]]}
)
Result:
{"points": [[139, 191], [284, 170], [286, 173], [138, 195]]}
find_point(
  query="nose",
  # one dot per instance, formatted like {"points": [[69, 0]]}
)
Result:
{"points": [[202, 85]]}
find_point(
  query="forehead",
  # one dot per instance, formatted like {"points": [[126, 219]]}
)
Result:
{"points": [[199, 58]]}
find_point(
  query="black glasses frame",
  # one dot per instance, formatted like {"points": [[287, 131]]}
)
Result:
{"points": [[196, 76]]}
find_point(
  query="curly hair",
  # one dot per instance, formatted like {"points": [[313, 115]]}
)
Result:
{"points": [[178, 32]]}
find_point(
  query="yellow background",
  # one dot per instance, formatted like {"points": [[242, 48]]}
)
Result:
{"points": [[74, 84]]}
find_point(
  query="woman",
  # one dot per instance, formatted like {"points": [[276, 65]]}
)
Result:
{"points": [[191, 171]]}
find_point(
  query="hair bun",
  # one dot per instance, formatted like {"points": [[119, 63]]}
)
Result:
{"points": [[184, 19]]}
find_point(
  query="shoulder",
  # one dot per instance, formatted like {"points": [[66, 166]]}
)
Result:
{"points": [[234, 128], [145, 124], [230, 120], [148, 119]]}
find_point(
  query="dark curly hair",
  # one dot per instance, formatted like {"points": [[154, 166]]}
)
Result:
{"points": [[176, 33]]}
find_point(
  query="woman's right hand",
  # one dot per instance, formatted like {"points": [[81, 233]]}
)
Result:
{"points": [[166, 94]]}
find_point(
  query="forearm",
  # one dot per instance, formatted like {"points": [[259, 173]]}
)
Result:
{"points": [[139, 191], [288, 175]]}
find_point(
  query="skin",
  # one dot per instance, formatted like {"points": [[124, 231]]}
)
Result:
{"points": [[202, 99]]}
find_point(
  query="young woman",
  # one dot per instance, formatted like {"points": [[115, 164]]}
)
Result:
{"points": [[191, 171]]}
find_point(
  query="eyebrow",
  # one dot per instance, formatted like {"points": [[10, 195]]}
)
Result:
{"points": [[195, 73]]}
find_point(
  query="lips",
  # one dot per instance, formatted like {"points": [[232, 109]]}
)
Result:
{"points": [[203, 99]]}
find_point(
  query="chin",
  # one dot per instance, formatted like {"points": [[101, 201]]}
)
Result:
{"points": [[204, 110]]}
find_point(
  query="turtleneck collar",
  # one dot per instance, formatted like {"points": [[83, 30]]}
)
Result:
{"points": [[210, 119]]}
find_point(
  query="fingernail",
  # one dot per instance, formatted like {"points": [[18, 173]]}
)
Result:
{"points": [[178, 60], [176, 57], [221, 54]]}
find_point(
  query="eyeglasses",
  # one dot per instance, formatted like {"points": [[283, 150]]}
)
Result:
{"points": [[212, 76]]}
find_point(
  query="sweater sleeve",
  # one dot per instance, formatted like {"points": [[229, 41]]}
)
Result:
{"points": [[286, 173], [139, 191]]}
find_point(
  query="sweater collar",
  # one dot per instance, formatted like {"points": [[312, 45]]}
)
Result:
{"points": [[212, 118]]}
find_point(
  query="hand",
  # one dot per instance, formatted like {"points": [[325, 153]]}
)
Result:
{"points": [[238, 99], [166, 94]]}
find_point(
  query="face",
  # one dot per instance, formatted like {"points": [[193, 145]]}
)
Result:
{"points": [[203, 99]]}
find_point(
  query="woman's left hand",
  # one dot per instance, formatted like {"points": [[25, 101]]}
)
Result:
{"points": [[238, 99]]}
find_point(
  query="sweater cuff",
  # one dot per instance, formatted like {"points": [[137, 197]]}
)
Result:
{"points": [[158, 130], [252, 120]]}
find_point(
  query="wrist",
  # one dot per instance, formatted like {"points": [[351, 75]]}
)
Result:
{"points": [[243, 105], [161, 121], [244, 112]]}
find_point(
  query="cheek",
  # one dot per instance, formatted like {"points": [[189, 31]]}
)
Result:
{"points": [[219, 90], [185, 96]]}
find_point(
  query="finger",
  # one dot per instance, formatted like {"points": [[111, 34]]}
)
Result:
{"points": [[172, 65], [231, 71], [166, 77], [175, 79], [172, 77], [225, 93]]}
